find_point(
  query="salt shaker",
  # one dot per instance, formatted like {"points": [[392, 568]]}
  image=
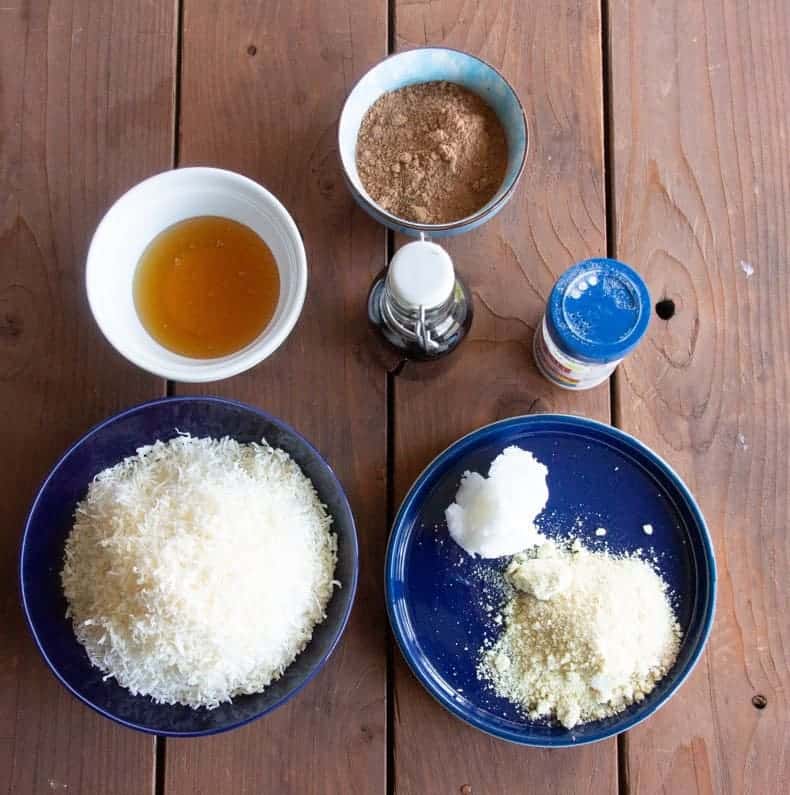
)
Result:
{"points": [[419, 305], [598, 312]]}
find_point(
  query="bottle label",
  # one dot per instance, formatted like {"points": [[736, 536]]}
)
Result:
{"points": [[564, 370]]}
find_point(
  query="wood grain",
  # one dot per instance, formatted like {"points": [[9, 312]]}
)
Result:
{"points": [[268, 107], [552, 55], [86, 110], [701, 112]]}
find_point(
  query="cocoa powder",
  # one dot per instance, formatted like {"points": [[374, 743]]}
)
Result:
{"points": [[431, 152]]}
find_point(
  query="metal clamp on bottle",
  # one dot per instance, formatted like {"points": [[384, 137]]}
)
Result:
{"points": [[421, 307]]}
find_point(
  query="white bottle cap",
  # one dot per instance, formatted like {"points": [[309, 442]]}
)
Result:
{"points": [[421, 274]]}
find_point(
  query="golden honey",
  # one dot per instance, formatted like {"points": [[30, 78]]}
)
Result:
{"points": [[206, 287]]}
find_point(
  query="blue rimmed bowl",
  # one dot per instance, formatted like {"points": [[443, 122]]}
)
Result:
{"points": [[437, 595], [425, 65], [50, 520]]}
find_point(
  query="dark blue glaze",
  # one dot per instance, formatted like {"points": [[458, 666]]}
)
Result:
{"points": [[50, 520], [598, 310], [598, 477]]}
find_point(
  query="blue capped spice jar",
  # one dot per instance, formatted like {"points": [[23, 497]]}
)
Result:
{"points": [[597, 313]]}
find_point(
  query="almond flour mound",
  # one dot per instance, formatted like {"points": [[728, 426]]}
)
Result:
{"points": [[587, 634]]}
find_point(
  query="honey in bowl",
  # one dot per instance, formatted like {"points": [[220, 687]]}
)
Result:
{"points": [[206, 287]]}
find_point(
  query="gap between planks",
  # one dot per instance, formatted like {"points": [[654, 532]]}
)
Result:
{"points": [[389, 418], [160, 743], [607, 115], [391, 651]]}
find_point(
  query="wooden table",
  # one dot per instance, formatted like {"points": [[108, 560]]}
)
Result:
{"points": [[660, 135]]}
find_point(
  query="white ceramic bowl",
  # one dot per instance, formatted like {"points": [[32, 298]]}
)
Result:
{"points": [[154, 205]]}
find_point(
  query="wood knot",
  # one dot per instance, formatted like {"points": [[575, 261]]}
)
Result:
{"points": [[465, 790], [17, 317], [11, 325], [252, 50], [324, 165], [326, 186], [665, 308], [759, 701]]}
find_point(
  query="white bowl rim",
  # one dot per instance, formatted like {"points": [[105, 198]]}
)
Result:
{"points": [[204, 370], [483, 212]]}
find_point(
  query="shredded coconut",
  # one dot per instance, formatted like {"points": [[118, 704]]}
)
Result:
{"points": [[588, 634], [197, 570]]}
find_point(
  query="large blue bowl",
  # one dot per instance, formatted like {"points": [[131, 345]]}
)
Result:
{"points": [[437, 596], [423, 65], [50, 520]]}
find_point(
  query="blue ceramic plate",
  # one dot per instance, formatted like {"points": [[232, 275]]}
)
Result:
{"points": [[441, 601], [50, 520]]}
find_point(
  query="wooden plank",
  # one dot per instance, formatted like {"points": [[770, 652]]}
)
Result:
{"points": [[701, 103], [268, 107], [552, 55], [86, 110]]}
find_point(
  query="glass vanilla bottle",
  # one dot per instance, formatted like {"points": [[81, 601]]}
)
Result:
{"points": [[419, 305]]}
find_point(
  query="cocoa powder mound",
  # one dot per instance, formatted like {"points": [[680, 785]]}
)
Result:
{"points": [[431, 152]]}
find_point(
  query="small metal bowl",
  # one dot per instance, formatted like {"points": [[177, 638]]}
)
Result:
{"points": [[422, 66]]}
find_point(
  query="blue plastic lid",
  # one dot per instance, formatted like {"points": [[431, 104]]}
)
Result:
{"points": [[598, 310]]}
